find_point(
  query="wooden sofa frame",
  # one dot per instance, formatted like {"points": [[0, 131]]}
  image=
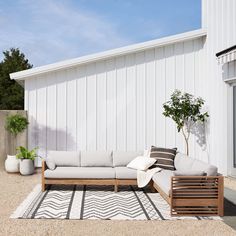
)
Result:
{"points": [[195, 195], [189, 195]]}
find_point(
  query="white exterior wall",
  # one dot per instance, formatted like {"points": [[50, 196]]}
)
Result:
{"points": [[219, 18], [117, 103], [114, 104]]}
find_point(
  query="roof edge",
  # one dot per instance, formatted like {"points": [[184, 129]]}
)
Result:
{"points": [[22, 75], [226, 50]]}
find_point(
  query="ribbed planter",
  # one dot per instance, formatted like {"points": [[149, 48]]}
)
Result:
{"points": [[26, 167]]}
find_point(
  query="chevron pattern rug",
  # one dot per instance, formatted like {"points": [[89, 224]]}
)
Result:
{"points": [[95, 202]]}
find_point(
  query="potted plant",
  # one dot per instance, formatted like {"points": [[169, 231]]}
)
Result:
{"points": [[26, 160], [15, 124], [185, 111]]}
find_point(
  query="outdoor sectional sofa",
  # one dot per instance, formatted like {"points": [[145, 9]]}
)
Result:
{"points": [[186, 195]]}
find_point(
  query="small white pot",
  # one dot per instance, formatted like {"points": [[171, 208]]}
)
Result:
{"points": [[26, 167], [12, 164]]}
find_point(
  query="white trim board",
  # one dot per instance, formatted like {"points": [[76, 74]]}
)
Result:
{"points": [[25, 74], [231, 81]]}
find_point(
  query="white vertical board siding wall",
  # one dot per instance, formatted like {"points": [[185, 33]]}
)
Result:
{"points": [[140, 100], [113, 104], [111, 117], [219, 18], [71, 120]]}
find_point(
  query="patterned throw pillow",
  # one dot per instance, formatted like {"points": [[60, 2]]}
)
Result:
{"points": [[164, 156]]}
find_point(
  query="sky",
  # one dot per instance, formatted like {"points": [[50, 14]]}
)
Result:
{"points": [[47, 31]]}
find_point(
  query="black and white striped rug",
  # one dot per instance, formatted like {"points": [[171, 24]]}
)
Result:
{"points": [[95, 202]]}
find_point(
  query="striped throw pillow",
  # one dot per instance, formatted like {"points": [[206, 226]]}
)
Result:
{"points": [[164, 156]]}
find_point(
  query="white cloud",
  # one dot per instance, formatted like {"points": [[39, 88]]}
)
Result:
{"points": [[48, 31]]}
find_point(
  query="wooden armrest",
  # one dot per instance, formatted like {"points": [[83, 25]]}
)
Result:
{"points": [[196, 182], [197, 177], [44, 166], [197, 195]]}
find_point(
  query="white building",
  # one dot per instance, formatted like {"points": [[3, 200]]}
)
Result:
{"points": [[113, 100]]}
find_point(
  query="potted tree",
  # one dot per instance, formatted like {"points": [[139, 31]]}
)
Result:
{"points": [[15, 124], [26, 160], [185, 111]]}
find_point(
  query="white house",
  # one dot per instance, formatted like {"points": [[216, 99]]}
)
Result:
{"points": [[113, 100]]}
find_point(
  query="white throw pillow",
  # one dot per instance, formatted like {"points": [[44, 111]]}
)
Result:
{"points": [[141, 163], [50, 164]]}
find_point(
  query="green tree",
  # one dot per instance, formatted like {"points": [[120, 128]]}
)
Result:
{"points": [[185, 111], [11, 93]]}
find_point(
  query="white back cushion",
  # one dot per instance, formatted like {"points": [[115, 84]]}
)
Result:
{"points": [[123, 158], [96, 158], [186, 163], [210, 170], [50, 163], [183, 162], [189, 173], [64, 158]]}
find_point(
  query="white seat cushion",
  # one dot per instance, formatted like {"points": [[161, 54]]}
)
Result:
{"points": [[80, 173], [163, 180], [123, 172], [123, 158], [64, 158], [96, 158]]}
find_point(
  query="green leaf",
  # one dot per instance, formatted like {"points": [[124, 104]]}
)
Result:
{"points": [[24, 153], [183, 107], [16, 124], [12, 93]]}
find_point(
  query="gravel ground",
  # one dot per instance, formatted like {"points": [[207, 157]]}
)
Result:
{"points": [[230, 183], [14, 188]]}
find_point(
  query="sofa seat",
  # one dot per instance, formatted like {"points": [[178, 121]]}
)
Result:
{"points": [[123, 172], [163, 180], [80, 173]]}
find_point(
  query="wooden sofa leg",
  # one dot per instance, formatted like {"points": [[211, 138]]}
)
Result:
{"points": [[153, 190], [116, 188], [221, 196], [42, 177], [43, 186]]}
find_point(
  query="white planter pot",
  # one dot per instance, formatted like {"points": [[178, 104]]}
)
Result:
{"points": [[12, 164], [26, 167]]}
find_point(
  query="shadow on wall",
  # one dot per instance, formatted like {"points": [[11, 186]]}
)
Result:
{"points": [[201, 133], [47, 138]]}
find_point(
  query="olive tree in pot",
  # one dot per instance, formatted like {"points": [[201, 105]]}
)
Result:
{"points": [[185, 110], [26, 160], [15, 124]]}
